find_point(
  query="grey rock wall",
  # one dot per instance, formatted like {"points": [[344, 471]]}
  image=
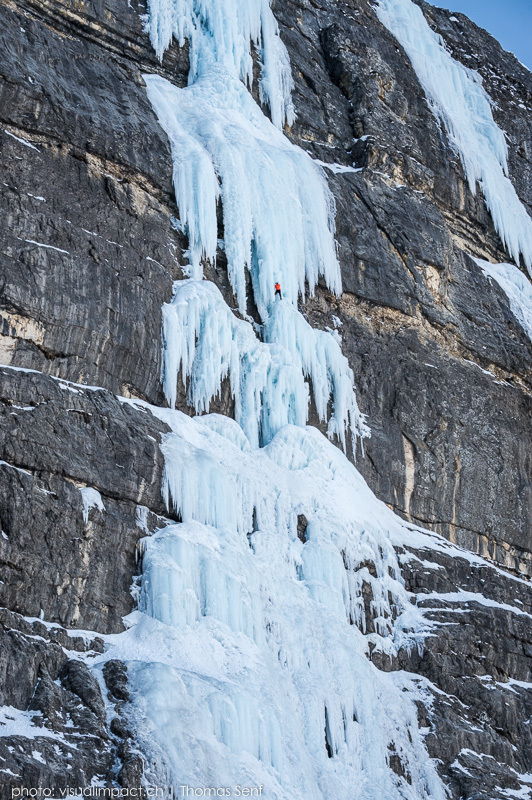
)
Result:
{"points": [[478, 660], [420, 321]]}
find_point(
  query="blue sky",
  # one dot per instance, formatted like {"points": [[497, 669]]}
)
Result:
{"points": [[510, 21]]}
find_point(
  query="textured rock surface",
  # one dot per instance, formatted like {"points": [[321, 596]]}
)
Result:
{"points": [[479, 661], [88, 255]]}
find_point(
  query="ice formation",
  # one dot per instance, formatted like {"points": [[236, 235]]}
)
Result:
{"points": [[220, 32], [224, 146], [319, 356], [517, 288], [206, 342], [248, 655], [91, 498], [248, 658], [458, 99]]}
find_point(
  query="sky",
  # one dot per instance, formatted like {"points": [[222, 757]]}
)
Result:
{"points": [[510, 21]]}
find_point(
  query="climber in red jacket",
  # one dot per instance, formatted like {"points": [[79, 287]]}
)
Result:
{"points": [[278, 291]]}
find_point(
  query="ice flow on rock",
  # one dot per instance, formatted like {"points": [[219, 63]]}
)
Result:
{"points": [[457, 98], [224, 147], [221, 32], [206, 342], [248, 655], [248, 661]]}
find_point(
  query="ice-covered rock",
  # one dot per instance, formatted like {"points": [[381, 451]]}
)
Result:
{"points": [[206, 342], [457, 98], [278, 212]]}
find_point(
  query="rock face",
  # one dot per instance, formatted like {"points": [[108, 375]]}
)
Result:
{"points": [[479, 658], [444, 370]]}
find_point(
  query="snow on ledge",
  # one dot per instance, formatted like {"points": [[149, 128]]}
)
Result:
{"points": [[517, 288], [15, 722], [91, 499]]}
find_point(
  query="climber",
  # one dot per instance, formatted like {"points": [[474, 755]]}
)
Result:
{"points": [[278, 291]]}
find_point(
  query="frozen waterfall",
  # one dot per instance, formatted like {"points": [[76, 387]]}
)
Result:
{"points": [[457, 98], [224, 147], [249, 654], [206, 342], [221, 32], [248, 657]]}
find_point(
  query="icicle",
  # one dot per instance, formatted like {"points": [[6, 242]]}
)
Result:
{"points": [[245, 655], [221, 32], [278, 212], [91, 498], [319, 356], [457, 98], [191, 571], [205, 341]]}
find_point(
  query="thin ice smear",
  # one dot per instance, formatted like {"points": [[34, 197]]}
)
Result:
{"points": [[517, 288]]}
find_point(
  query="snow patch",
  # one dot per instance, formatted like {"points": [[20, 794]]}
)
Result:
{"points": [[22, 141], [15, 722], [517, 288], [47, 246], [337, 169], [91, 498], [12, 466], [473, 597]]}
